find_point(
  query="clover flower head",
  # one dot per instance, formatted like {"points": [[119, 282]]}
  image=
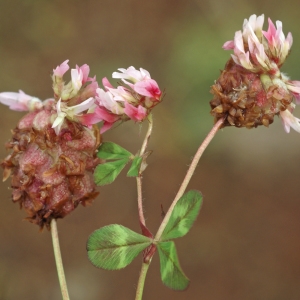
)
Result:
{"points": [[252, 89], [131, 100], [53, 150]]}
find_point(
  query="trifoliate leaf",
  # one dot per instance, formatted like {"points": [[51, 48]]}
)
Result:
{"points": [[109, 150], [108, 172], [171, 273], [113, 247], [135, 167], [183, 216]]}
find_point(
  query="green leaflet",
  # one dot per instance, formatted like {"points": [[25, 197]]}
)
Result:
{"points": [[113, 247], [171, 274], [183, 216], [107, 173], [109, 150], [135, 167]]}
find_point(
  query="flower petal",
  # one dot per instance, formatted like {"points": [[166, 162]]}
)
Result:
{"points": [[148, 88], [60, 70], [20, 101], [289, 120], [135, 113]]}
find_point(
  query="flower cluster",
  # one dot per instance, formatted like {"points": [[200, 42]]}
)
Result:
{"points": [[132, 100], [252, 90], [54, 146]]}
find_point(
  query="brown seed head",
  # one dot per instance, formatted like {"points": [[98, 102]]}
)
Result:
{"points": [[51, 174], [247, 99]]}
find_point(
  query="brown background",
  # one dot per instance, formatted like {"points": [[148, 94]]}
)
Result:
{"points": [[246, 242]]}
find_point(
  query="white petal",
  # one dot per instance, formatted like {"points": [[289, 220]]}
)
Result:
{"points": [[85, 105]]}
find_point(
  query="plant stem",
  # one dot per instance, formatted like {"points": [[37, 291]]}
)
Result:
{"points": [[139, 178], [58, 260], [188, 176], [140, 199], [141, 283]]}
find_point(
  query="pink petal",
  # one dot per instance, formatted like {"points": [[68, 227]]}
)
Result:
{"points": [[106, 84], [105, 115], [229, 45], [135, 113], [61, 69], [106, 126], [89, 119], [148, 88], [271, 33], [85, 69]]}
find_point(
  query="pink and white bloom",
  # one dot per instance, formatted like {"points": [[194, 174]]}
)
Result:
{"points": [[71, 112], [258, 50], [20, 101], [132, 100], [279, 45], [81, 85], [148, 88], [82, 101], [263, 53]]}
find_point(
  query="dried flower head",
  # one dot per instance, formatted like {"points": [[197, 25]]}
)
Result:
{"points": [[252, 90], [53, 154]]}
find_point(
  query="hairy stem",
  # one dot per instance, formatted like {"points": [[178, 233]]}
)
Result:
{"points": [[141, 283], [58, 260], [139, 178], [188, 176]]}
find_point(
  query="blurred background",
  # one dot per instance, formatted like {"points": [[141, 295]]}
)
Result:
{"points": [[245, 243]]}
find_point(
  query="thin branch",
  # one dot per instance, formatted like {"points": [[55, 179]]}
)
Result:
{"points": [[58, 260], [188, 176]]}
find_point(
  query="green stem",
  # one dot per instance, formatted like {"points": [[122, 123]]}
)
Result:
{"points": [[139, 178], [58, 260], [141, 283], [188, 176]]}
